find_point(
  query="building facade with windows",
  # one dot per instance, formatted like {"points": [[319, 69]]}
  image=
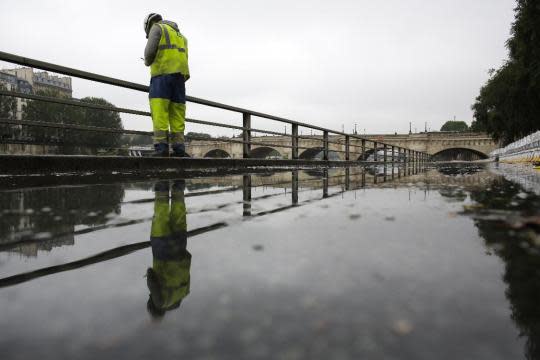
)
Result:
{"points": [[42, 81], [27, 81]]}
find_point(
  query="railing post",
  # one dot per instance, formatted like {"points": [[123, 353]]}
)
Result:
{"points": [[393, 155], [347, 148], [294, 141], [295, 187], [385, 155], [246, 195], [325, 183], [246, 135], [363, 149], [363, 177], [325, 144], [375, 155]]}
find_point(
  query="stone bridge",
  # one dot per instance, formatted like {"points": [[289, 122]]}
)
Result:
{"points": [[441, 145]]}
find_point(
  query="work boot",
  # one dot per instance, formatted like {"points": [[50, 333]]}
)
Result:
{"points": [[179, 150], [161, 150]]}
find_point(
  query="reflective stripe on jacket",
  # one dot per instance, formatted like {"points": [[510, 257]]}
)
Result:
{"points": [[172, 54]]}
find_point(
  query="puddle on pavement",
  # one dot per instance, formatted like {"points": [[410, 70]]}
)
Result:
{"points": [[381, 263]]}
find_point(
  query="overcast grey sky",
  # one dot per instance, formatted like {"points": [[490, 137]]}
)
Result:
{"points": [[378, 64]]}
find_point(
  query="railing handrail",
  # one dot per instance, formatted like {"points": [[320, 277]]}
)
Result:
{"points": [[24, 61]]}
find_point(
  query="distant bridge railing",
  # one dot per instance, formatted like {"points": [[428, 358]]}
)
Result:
{"points": [[380, 150]]}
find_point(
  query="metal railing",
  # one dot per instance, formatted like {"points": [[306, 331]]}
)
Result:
{"points": [[377, 148]]}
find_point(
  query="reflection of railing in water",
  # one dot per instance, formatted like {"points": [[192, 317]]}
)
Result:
{"points": [[104, 256], [246, 204], [324, 180], [247, 180]]}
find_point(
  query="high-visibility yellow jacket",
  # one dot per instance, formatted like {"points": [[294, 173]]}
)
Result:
{"points": [[172, 53]]}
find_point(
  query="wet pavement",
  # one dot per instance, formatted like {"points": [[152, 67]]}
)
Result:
{"points": [[379, 263]]}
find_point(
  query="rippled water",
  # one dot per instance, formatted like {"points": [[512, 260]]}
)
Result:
{"points": [[437, 263]]}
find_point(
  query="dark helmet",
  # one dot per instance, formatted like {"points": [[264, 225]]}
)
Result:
{"points": [[150, 20]]}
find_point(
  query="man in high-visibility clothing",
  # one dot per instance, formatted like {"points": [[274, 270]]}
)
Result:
{"points": [[169, 277], [166, 53]]}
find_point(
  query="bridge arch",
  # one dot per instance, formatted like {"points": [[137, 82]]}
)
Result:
{"points": [[366, 154], [217, 154], [265, 152], [317, 153], [370, 152], [458, 153]]}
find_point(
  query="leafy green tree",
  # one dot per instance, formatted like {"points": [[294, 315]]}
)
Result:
{"points": [[508, 106], [197, 136], [8, 110], [50, 113], [477, 126], [74, 115], [101, 118], [8, 105], [455, 126]]}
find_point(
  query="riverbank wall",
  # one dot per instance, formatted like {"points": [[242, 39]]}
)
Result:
{"points": [[523, 151]]}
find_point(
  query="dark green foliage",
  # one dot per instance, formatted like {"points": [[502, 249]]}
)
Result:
{"points": [[455, 126], [51, 113], [508, 106], [67, 114], [101, 118], [477, 126], [8, 110], [8, 105], [197, 136]]}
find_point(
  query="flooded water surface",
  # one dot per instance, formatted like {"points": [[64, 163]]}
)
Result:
{"points": [[375, 263]]}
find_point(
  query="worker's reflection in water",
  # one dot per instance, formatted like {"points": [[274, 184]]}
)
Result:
{"points": [[168, 279]]}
